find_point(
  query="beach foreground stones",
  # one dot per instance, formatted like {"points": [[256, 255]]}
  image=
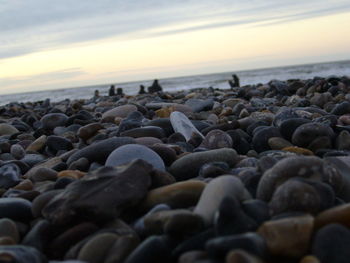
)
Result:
{"points": [[254, 174]]}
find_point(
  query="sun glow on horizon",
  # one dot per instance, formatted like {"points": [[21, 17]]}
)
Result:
{"points": [[184, 53]]}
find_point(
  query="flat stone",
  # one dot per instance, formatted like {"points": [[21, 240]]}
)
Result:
{"points": [[121, 248], [102, 196], [130, 152], [149, 131], [183, 125], [278, 143], [43, 174], [213, 194], [189, 165], [289, 237]]}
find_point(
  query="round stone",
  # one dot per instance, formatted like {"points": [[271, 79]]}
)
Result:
{"points": [[15, 208], [9, 175], [52, 120], [216, 139], [128, 153], [120, 111], [306, 133]]}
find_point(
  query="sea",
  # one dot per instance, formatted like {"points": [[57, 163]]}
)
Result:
{"points": [[215, 80]]}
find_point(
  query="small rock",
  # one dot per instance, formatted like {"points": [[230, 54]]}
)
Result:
{"points": [[9, 175], [120, 111], [17, 151], [289, 237], [53, 120], [15, 208], [216, 139], [7, 129], [8, 228], [183, 125]]}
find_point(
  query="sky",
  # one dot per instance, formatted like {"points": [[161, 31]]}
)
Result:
{"points": [[58, 44]]}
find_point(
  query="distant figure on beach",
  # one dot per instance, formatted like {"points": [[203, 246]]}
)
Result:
{"points": [[120, 92], [155, 87], [142, 89], [96, 93], [111, 91], [235, 82]]}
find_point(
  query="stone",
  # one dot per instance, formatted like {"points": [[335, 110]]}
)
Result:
{"points": [[230, 219], [167, 154], [96, 249], [176, 222], [331, 244], [241, 256], [341, 108], [7, 129], [57, 143], [49, 163], [308, 132], [307, 167], [213, 194], [189, 165], [262, 136], [339, 214], [288, 237], [8, 228], [103, 148], [148, 141], [183, 125], [38, 144], [342, 141], [309, 259], [249, 242], [53, 120], [149, 131], [257, 210], [25, 185], [17, 151], [121, 248], [9, 175], [288, 126], [152, 249], [298, 150], [7, 241], [178, 195], [15, 208], [193, 256], [101, 197], [39, 235], [42, 200], [43, 174], [89, 130], [131, 152], [60, 244], [199, 105], [216, 139], [20, 254], [278, 143], [120, 111]]}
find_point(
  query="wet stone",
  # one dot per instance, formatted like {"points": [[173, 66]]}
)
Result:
{"points": [[216, 139], [52, 120]]}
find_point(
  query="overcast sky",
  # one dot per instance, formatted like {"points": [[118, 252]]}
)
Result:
{"points": [[38, 37]]}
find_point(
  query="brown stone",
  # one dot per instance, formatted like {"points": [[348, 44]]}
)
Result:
{"points": [[309, 259], [75, 174], [177, 195], [278, 143], [289, 237], [339, 214], [298, 150], [38, 144], [26, 185]]}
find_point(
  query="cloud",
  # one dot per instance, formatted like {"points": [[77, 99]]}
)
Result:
{"points": [[28, 26]]}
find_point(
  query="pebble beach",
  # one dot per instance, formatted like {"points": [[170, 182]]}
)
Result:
{"points": [[252, 174]]}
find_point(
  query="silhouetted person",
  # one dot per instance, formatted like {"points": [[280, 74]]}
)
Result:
{"points": [[235, 82], [111, 91], [155, 87], [142, 89], [96, 93], [120, 92]]}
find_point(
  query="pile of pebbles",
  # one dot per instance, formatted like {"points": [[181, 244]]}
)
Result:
{"points": [[253, 174]]}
